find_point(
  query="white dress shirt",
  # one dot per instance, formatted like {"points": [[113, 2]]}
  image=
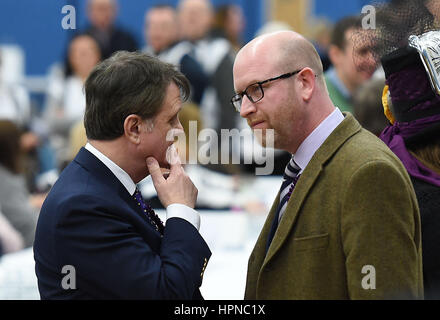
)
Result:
{"points": [[314, 140], [175, 210]]}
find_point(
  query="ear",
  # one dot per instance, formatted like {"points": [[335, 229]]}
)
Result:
{"points": [[308, 83], [132, 128]]}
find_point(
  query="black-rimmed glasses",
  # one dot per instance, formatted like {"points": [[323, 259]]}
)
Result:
{"points": [[255, 91]]}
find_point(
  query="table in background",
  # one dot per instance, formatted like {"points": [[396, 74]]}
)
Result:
{"points": [[230, 235]]}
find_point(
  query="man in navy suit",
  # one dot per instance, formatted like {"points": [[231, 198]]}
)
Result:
{"points": [[96, 238]]}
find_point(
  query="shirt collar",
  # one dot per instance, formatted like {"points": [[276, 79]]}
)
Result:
{"points": [[122, 176], [314, 140]]}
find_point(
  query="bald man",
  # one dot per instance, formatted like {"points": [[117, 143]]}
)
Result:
{"points": [[345, 224]]}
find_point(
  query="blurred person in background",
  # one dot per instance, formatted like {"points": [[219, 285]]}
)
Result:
{"points": [[345, 77], [111, 38], [162, 37], [15, 105], [216, 56], [77, 139], [18, 206], [434, 8], [40, 167], [367, 106], [320, 35], [65, 96], [229, 22]]}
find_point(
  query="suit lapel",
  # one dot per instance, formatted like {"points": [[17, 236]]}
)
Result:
{"points": [[348, 127], [92, 164]]}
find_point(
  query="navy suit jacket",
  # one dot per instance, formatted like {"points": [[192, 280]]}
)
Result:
{"points": [[90, 221]]}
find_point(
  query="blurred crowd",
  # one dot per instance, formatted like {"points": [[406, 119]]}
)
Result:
{"points": [[195, 36]]}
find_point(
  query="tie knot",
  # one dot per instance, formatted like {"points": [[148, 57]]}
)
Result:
{"points": [[291, 171], [137, 195]]}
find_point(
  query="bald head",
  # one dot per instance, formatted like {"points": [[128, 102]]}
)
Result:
{"points": [[279, 77], [285, 50]]}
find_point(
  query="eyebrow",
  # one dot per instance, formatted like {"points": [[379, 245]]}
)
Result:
{"points": [[250, 83], [262, 82]]}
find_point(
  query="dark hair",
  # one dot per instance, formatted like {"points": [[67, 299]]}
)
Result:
{"points": [[127, 83], [221, 17], [427, 151], [340, 28], [10, 149], [68, 70]]}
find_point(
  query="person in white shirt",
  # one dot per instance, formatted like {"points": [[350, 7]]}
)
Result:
{"points": [[66, 101], [216, 56]]}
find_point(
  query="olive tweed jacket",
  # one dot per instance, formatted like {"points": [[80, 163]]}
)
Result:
{"points": [[351, 229]]}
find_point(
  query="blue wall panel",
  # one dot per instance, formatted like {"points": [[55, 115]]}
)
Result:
{"points": [[334, 10], [35, 25]]}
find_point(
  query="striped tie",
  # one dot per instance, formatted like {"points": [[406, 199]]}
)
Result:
{"points": [[290, 177]]}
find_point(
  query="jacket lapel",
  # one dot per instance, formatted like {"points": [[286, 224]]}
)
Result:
{"points": [[112, 184], [293, 207], [348, 127]]}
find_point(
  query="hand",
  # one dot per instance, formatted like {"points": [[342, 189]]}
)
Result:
{"points": [[177, 188], [29, 141]]}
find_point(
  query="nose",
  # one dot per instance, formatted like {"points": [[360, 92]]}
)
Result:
{"points": [[247, 107]]}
